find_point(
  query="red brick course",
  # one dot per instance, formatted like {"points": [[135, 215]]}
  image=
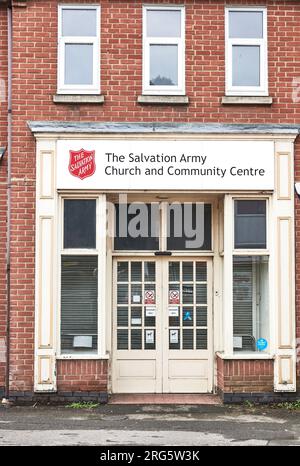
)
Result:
{"points": [[34, 84], [238, 376], [81, 375]]}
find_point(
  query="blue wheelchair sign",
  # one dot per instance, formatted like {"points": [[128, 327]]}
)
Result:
{"points": [[261, 344]]}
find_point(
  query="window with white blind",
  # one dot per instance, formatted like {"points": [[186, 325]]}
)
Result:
{"points": [[246, 51], [250, 277], [78, 49], [163, 50], [79, 277]]}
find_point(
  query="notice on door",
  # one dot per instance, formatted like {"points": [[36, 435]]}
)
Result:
{"points": [[149, 297], [174, 336], [165, 164], [174, 297], [149, 336]]}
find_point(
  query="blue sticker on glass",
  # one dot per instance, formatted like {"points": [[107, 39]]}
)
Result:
{"points": [[187, 315], [261, 344]]}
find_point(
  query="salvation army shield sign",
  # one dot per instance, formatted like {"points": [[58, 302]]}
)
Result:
{"points": [[82, 163]]}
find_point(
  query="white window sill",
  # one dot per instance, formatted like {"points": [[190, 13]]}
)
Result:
{"points": [[246, 100], [163, 99], [78, 99], [245, 355], [67, 357]]}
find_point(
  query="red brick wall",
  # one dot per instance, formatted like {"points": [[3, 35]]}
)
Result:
{"points": [[245, 376], [3, 142], [84, 375], [34, 84]]}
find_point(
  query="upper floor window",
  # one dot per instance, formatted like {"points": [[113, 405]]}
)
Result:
{"points": [[163, 50], [246, 51], [79, 49]]}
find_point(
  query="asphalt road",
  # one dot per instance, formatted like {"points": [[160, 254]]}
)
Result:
{"points": [[170, 425]]}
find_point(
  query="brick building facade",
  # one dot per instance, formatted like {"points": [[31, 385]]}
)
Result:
{"points": [[49, 116]]}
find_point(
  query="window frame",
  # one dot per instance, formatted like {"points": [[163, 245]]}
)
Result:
{"points": [[63, 88], [239, 251], [162, 237], [255, 252], [230, 89], [179, 41], [100, 252]]}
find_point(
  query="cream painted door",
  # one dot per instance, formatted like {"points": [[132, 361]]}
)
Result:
{"points": [[162, 325]]}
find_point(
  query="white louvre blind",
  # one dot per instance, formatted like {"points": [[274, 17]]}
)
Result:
{"points": [[79, 296], [243, 302]]}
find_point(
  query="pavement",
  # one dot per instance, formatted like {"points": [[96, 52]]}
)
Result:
{"points": [[170, 425]]}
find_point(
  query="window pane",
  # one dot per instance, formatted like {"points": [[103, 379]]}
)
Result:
{"points": [[163, 23], [250, 302], [79, 296], [79, 22], [80, 223], [149, 271], [189, 227], [245, 65], [163, 65], [250, 225], [79, 64], [246, 24], [137, 227]]}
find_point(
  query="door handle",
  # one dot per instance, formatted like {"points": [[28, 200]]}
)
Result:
{"points": [[163, 253]]}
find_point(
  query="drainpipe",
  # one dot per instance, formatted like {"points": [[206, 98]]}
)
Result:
{"points": [[8, 227]]}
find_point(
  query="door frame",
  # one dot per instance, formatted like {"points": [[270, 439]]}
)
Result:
{"points": [[162, 327]]}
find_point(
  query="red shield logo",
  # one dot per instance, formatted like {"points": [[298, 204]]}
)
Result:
{"points": [[82, 163]]}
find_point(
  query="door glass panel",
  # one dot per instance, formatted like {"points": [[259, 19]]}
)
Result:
{"points": [[136, 271], [122, 294], [201, 316], [187, 316], [188, 294], [122, 271], [201, 293], [136, 316], [187, 272], [149, 271], [122, 317], [188, 320], [187, 339], [201, 275], [122, 339], [136, 294], [174, 271], [140, 313], [201, 339]]}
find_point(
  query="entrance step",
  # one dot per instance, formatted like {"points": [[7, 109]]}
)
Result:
{"points": [[164, 398]]}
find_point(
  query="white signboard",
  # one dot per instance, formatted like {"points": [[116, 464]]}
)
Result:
{"points": [[165, 165]]}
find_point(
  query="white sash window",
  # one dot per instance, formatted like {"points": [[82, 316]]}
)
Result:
{"points": [[78, 49], [246, 51]]}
